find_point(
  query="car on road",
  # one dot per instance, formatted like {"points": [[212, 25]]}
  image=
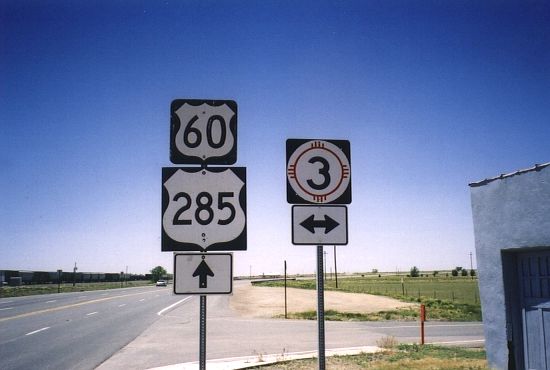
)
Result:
{"points": [[161, 283]]}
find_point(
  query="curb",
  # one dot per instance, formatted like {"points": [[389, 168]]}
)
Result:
{"points": [[246, 362]]}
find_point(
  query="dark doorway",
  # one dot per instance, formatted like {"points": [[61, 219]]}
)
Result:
{"points": [[527, 290]]}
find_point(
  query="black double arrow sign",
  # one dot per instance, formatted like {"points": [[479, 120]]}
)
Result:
{"points": [[311, 223]]}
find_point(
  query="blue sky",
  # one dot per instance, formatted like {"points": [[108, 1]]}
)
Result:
{"points": [[431, 95]]}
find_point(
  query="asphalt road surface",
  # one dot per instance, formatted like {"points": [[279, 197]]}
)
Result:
{"points": [[75, 330], [155, 328], [175, 337]]}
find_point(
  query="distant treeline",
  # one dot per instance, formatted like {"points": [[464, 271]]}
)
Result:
{"points": [[51, 277]]}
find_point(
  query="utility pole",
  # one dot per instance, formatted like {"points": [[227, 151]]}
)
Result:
{"points": [[471, 266], [286, 313], [74, 274], [59, 272]]}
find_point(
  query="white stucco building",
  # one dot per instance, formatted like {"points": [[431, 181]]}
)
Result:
{"points": [[511, 215]]}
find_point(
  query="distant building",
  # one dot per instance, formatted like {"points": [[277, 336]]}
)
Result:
{"points": [[511, 215]]}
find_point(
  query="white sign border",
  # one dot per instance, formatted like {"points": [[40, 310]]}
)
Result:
{"points": [[293, 225]]}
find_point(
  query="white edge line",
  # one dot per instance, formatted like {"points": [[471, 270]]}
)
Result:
{"points": [[38, 331], [161, 312]]}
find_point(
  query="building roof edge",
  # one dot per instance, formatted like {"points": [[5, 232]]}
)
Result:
{"points": [[536, 168]]}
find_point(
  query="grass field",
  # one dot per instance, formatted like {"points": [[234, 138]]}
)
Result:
{"points": [[454, 289], [446, 298], [35, 289], [410, 357]]}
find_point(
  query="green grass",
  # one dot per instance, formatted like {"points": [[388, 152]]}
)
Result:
{"points": [[25, 290], [333, 315], [452, 298], [412, 357], [456, 289]]}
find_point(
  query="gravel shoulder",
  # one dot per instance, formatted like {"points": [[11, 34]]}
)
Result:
{"points": [[266, 302]]}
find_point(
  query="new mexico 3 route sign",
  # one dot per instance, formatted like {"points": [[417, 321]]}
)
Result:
{"points": [[318, 171]]}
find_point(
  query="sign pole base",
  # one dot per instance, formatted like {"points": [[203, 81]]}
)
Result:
{"points": [[202, 333], [321, 307]]}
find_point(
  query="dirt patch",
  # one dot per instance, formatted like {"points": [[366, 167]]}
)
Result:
{"points": [[267, 302]]}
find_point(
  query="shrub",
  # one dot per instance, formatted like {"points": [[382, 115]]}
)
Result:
{"points": [[388, 342]]}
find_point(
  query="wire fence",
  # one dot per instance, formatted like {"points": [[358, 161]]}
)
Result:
{"points": [[455, 289]]}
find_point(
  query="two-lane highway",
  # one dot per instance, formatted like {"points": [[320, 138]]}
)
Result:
{"points": [[76, 330]]}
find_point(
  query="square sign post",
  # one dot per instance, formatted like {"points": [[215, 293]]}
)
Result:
{"points": [[319, 173], [203, 209]]}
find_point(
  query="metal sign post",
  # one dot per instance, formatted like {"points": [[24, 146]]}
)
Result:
{"points": [[321, 307], [202, 334], [319, 172], [203, 208]]}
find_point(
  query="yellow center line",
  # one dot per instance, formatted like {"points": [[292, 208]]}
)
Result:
{"points": [[53, 309]]}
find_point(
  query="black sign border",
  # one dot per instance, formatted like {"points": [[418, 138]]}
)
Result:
{"points": [[170, 245], [291, 196], [177, 157]]}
